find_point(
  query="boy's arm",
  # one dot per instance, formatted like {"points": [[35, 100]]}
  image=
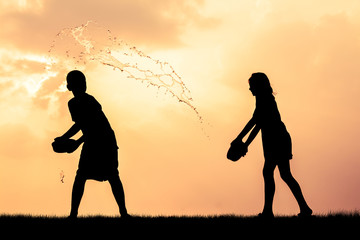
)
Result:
{"points": [[72, 131], [78, 143]]}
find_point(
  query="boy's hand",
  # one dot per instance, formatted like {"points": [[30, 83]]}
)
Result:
{"points": [[74, 146], [62, 145], [59, 138]]}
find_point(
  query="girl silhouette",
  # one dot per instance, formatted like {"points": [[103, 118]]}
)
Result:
{"points": [[276, 143]]}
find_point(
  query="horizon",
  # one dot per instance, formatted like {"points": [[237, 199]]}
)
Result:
{"points": [[171, 163]]}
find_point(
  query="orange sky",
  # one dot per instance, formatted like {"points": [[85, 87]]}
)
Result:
{"points": [[310, 51]]}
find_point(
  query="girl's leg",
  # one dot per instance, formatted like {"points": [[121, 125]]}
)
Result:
{"points": [[77, 193], [285, 173], [269, 182], [118, 191]]}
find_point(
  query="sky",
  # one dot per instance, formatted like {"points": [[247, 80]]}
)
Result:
{"points": [[170, 162]]}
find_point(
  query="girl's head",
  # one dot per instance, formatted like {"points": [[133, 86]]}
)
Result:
{"points": [[260, 84], [76, 81]]}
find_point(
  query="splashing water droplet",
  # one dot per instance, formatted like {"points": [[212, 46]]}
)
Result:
{"points": [[77, 46], [62, 176]]}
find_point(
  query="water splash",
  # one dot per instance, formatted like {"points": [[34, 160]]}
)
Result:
{"points": [[62, 176], [90, 42]]}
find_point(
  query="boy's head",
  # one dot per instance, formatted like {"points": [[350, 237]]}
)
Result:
{"points": [[76, 81]]}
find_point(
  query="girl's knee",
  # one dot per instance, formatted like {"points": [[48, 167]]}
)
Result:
{"points": [[285, 173], [268, 170], [286, 176]]}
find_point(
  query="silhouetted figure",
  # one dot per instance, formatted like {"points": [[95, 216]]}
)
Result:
{"points": [[99, 155], [276, 143]]}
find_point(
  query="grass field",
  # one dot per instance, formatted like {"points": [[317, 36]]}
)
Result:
{"points": [[329, 225]]}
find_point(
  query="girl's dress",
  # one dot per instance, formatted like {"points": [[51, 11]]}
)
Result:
{"points": [[275, 138]]}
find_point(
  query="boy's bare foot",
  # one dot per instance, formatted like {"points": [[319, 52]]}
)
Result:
{"points": [[305, 213], [265, 215], [126, 216]]}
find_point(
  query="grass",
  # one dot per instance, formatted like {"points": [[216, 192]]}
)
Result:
{"points": [[332, 224]]}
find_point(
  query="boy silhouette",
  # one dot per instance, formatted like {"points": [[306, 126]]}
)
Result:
{"points": [[99, 156]]}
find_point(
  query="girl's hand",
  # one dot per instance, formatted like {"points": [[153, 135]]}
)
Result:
{"points": [[237, 150], [243, 150], [236, 141]]}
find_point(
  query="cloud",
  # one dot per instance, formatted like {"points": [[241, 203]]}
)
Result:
{"points": [[17, 142], [31, 26], [16, 63], [152, 23], [307, 54]]}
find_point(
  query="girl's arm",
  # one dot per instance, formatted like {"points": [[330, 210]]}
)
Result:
{"points": [[252, 135], [81, 139], [255, 130], [246, 129]]}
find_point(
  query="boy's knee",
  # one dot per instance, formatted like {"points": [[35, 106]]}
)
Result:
{"points": [[114, 179], [79, 178], [267, 173]]}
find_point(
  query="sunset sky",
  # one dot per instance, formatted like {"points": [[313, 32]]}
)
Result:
{"points": [[170, 163]]}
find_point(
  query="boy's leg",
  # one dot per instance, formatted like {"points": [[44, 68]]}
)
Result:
{"points": [[77, 193], [269, 183], [118, 191], [285, 173]]}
